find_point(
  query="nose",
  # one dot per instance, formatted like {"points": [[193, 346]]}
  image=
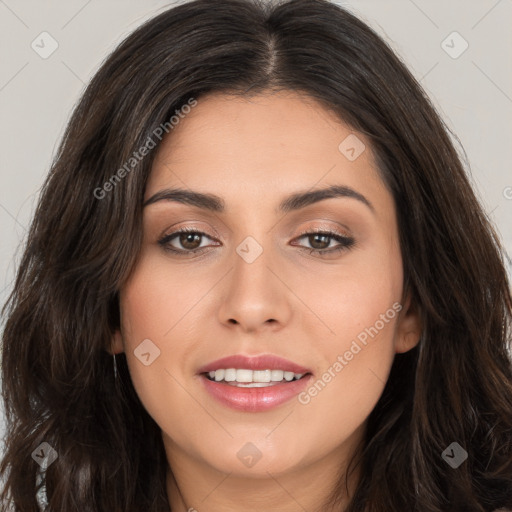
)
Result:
{"points": [[255, 295]]}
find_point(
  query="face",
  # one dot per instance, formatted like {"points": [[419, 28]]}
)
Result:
{"points": [[316, 280]]}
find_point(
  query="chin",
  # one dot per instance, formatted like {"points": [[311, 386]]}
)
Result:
{"points": [[253, 458]]}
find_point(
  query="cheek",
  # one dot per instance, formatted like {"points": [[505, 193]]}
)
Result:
{"points": [[359, 309], [157, 303], [349, 383], [354, 300], [155, 313]]}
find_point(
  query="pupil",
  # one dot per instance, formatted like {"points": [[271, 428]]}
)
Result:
{"points": [[323, 245], [188, 238]]}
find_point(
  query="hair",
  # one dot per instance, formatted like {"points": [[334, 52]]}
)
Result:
{"points": [[58, 382]]}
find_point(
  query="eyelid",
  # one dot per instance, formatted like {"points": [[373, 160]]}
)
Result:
{"points": [[345, 241], [326, 229], [177, 227], [192, 229]]}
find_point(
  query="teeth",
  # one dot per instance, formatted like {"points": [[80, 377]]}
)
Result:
{"points": [[252, 376], [230, 375], [276, 375], [260, 375], [244, 376]]}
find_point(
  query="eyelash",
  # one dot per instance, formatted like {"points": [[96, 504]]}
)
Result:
{"points": [[346, 242]]}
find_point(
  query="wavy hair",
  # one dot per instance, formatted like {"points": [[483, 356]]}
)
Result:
{"points": [[57, 377]]}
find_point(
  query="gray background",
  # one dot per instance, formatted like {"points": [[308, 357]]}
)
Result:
{"points": [[472, 92]]}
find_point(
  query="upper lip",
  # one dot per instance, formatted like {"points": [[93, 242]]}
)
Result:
{"points": [[261, 362]]}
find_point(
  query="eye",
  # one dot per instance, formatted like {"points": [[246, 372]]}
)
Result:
{"points": [[320, 240], [190, 241], [188, 238]]}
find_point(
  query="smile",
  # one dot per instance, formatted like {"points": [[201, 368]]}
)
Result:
{"points": [[252, 378]]}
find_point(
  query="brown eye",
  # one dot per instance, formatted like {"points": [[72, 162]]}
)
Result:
{"points": [[320, 241], [184, 241], [189, 240]]}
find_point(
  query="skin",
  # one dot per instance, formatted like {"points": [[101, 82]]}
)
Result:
{"points": [[253, 152]]}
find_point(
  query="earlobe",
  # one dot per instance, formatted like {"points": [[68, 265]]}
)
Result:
{"points": [[116, 345], [407, 342], [409, 327]]}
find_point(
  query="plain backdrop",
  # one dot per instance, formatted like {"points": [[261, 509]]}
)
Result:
{"points": [[471, 88]]}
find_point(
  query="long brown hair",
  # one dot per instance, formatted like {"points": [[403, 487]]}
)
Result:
{"points": [[58, 382]]}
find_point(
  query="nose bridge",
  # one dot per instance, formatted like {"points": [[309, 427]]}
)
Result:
{"points": [[252, 258], [254, 250], [254, 295]]}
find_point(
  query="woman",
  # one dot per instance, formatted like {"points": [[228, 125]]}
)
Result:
{"points": [[258, 278]]}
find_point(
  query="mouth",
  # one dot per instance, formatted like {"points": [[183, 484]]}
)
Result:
{"points": [[253, 384], [245, 378]]}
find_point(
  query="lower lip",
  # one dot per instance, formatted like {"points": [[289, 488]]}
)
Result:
{"points": [[254, 399]]}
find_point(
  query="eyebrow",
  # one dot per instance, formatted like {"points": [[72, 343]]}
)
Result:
{"points": [[293, 202]]}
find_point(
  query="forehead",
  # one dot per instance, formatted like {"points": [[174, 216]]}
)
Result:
{"points": [[265, 145]]}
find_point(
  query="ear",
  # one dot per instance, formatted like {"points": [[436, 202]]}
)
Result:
{"points": [[409, 327], [117, 344]]}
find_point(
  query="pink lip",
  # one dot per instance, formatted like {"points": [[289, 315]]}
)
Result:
{"points": [[254, 399], [262, 362]]}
